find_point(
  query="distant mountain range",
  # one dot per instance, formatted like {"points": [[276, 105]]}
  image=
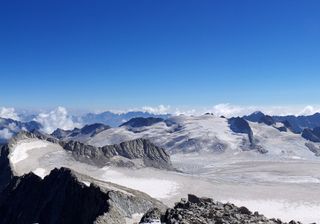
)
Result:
{"points": [[296, 123], [10, 127], [175, 133], [114, 119]]}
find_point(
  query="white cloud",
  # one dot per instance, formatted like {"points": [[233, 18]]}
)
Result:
{"points": [[57, 118], [230, 110], [161, 109], [8, 112], [309, 110], [5, 134]]}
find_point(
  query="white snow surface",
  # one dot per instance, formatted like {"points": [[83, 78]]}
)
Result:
{"points": [[155, 187], [40, 157], [187, 133], [20, 151], [40, 172], [208, 133]]}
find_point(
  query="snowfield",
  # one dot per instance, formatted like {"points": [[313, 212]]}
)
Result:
{"points": [[284, 144], [40, 157], [208, 133], [183, 134], [283, 183], [155, 187], [20, 152]]}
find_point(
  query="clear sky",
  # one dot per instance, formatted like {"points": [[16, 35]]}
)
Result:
{"points": [[118, 54]]}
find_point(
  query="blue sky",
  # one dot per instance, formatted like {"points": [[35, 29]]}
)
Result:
{"points": [[124, 54]]}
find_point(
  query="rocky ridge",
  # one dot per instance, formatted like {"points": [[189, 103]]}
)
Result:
{"points": [[197, 210], [65, 197], [135, 153]]}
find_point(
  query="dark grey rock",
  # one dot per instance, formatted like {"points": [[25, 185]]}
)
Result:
{"points": [[311, 134], [142, 149], [61, 198], [58, 198], [5, 169], [141, 122], [266, 119], [240, 125], [313, 148], [207, 211]]}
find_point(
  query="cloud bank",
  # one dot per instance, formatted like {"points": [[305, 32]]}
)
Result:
{"points": [[230, 110], [5, 133], [8, 112], [57, 118], [161, 109]]}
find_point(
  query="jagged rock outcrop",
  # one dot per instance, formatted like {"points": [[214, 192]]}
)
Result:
{"points": [[299, 123], [62, 198], [240, 125], [34, 134], [313, 148], [60, 133], [266, 119], [311, 134], [134, 152], [205, 211], [141, 122], [58, 198], [5, 169]]}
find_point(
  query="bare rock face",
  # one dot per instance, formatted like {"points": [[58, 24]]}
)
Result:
{"points": [[142, 122], [313, 148], [58, 198], [204, 211], [149, 154], [134, 153], [5, 169], [62, 197], [240, 125]]}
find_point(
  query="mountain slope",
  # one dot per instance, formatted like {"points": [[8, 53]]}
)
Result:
{"points": [[208, 133], [141, 121], [134, 153]]}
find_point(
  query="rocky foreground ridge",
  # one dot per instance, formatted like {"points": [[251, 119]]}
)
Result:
{"points": [[197, 210], [66, 197]]}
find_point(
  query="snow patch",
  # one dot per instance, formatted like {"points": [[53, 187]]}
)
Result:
{"points": [[20, 151], [157, 188], [284, 210], [40, 172], [87, 183]]}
